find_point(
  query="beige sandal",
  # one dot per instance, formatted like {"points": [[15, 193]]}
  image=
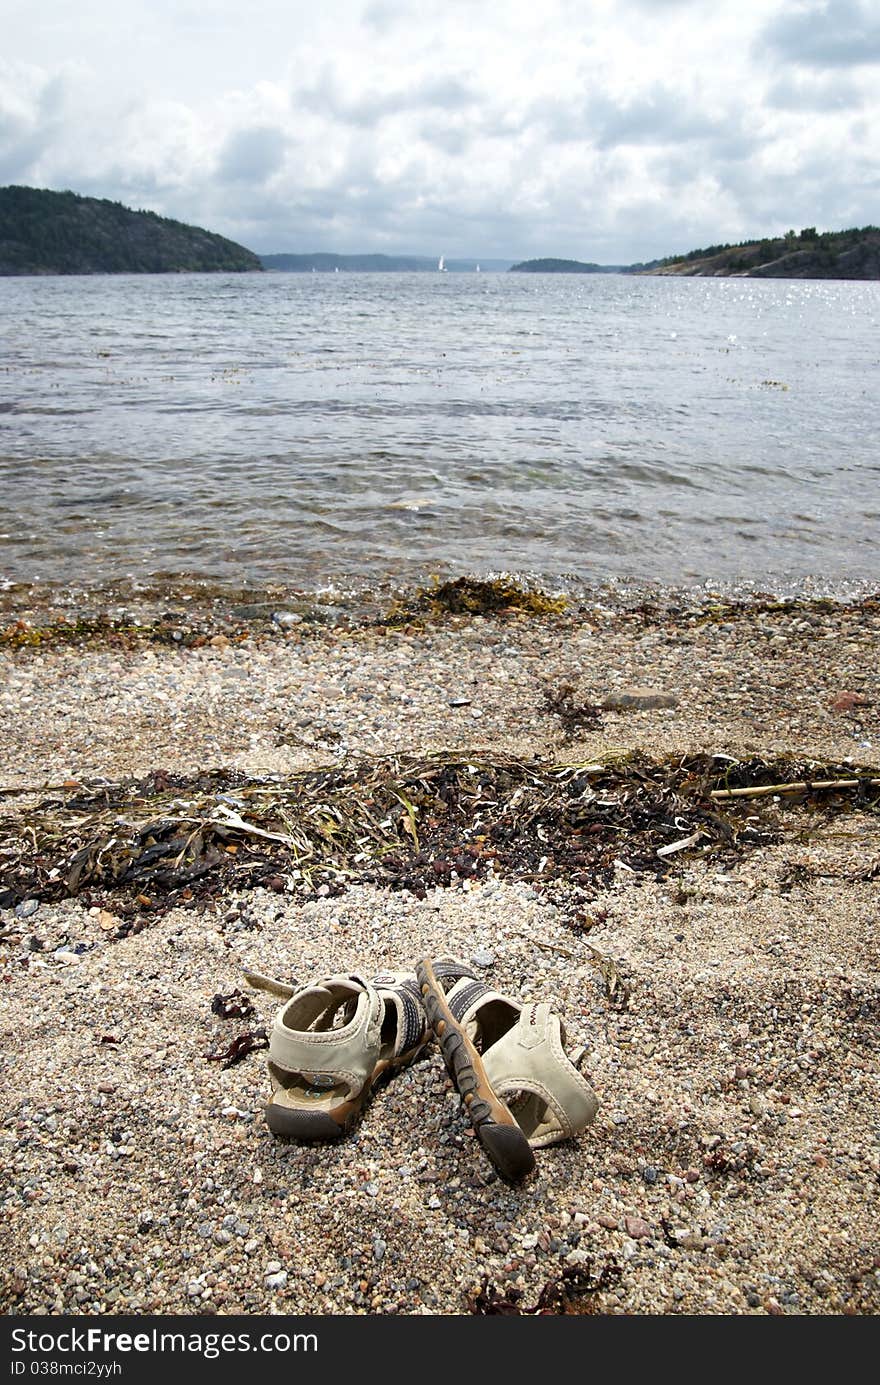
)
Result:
{"points": [[508, 1061], [331, 1042]]}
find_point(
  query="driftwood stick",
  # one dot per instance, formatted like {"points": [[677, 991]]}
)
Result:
{"points": [[764, 790], [44, 788]]}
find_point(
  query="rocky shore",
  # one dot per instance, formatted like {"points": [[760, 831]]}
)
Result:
{"points": [[727, 989]]}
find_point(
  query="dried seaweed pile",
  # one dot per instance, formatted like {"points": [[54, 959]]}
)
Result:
{"points": [[405, 822]]}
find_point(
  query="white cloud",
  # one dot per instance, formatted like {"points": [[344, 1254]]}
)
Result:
{"points": [[490, 130]]}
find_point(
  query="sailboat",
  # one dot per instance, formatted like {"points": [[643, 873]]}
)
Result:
{"points": [[441, 265]]}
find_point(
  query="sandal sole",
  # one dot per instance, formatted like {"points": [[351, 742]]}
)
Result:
{"points": [[495, 1127], [301, 1124]]}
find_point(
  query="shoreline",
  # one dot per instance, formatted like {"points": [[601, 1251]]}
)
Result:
{"points": [[728, 995], [360, 600]]}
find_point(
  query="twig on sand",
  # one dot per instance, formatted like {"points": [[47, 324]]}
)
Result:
{"points": [[548, 947], [806, 786]]}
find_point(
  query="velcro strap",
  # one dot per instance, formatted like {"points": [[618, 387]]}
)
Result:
{"points": [[448, 969], [461, 998], [412, 1029]]}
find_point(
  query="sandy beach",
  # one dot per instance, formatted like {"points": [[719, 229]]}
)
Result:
{"points": [[727, 990]]}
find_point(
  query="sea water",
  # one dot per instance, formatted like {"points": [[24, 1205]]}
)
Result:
{"points": [[307, 429]]}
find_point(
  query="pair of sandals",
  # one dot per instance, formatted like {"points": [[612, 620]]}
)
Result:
{"points": [[334, 1040]]}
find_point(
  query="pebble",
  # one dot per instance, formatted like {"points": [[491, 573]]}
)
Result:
{"points": [[637, 1228], [26, 908], [483, 957], [639, 699]]}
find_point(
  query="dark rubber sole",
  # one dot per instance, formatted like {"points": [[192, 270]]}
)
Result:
{"points": [[301, 1124], [495, 1127]]}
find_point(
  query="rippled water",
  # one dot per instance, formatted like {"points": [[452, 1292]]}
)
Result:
{"points": [[306, 429]]}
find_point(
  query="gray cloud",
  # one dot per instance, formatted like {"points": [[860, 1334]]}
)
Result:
{"points": [[833, 33], [813, 91], [660, 116], [328, 96], [252, 156], [28, 127]]}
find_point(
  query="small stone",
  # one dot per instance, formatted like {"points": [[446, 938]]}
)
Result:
{"points": [[483, 957], [638, 700], [286, 619], [277, 1280], [379, 1249], [637, 1228], [608, 1221], [459, 702], [577, 1257], [434, 1203], [848, 701], [26, 908], [691, 1240]]}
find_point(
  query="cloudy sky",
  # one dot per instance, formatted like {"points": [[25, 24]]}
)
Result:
{"points": [[608, 130]]}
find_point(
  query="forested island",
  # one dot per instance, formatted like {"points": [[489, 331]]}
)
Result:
{"points": [[551, 266], [44, 232], [805, 254]]}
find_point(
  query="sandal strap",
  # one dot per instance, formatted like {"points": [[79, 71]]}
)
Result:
{"points": [[530, 1057], [402, 992], [452, 969], [347, 1054], [467, 998]]}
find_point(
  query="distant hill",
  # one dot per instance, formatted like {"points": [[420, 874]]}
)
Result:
{"points": [[44, 232], [560, 267], [371, 264], [806, 254]]}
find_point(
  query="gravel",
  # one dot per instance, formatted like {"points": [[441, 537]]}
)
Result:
{"points": [[733, 1166]]}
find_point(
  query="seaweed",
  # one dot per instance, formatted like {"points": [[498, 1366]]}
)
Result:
{"points": [[572, 1292], [473, 596], [407, 822], [241, 1046], [235, 1005], [574, 716]]}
